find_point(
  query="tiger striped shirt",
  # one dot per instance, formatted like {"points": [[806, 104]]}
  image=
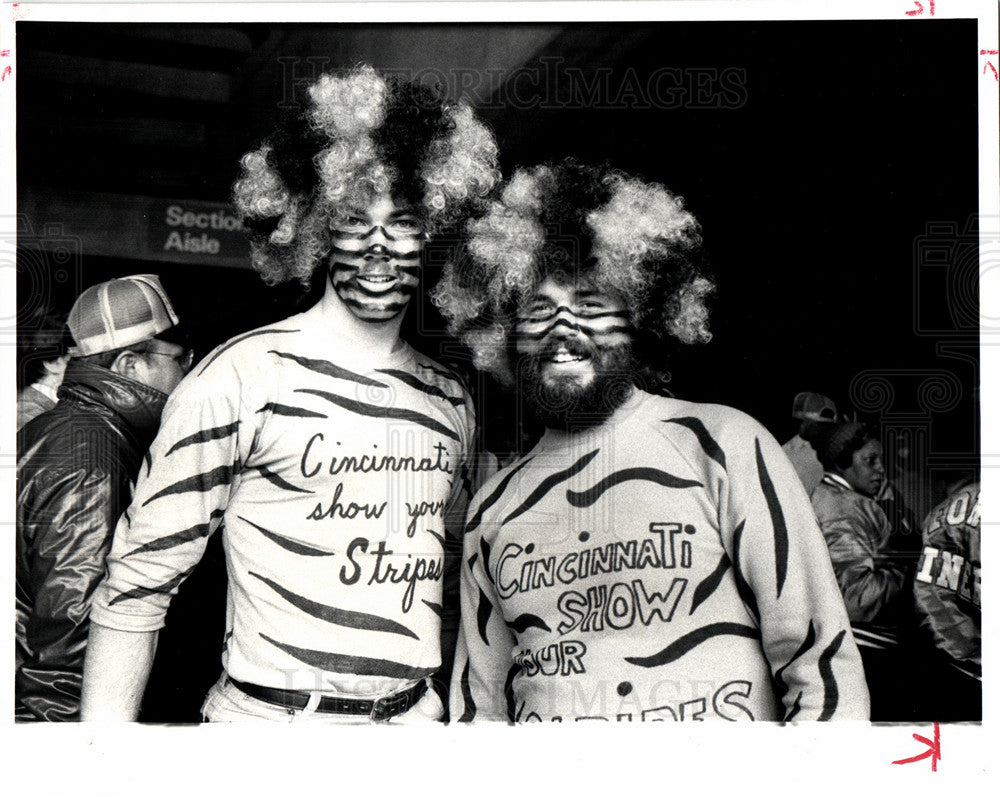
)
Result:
{"points": [[330, 473], [665, 565]]}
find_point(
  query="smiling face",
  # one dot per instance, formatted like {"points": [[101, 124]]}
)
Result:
{"points": [[375, 258], [574, 346]]}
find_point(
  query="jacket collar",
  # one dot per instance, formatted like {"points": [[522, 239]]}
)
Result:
{"points": [[836, 480], [139, 404]]}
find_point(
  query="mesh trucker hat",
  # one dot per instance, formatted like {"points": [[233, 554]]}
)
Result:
{"points": [[814, 407], [119, 313]]}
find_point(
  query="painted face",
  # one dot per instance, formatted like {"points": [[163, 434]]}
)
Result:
{"points": [[375, 258], [574, 352], [867, 471], [566, 326]]}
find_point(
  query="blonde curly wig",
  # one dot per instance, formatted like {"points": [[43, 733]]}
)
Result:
{"points": [[362, 134]]}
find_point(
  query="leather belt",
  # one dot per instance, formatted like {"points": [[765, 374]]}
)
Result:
{"points": [[381, 709]]}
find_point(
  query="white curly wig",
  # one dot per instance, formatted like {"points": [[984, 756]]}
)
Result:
{"points": [[361, 135], [631, 238]]}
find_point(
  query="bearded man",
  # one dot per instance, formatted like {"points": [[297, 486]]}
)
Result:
{"points": [[650, 558], [326, 447]]}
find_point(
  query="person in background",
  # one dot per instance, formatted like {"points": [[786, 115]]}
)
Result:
{"points": [[875, 579], [946, 590], [40, 364], [76, 467], [809, 409], [649, 559]]}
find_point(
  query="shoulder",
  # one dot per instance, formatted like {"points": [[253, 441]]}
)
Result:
{"points": [[241, 363], [30, 404], [496, 485], [717, 418], [719, 430], [959, 509], [826, 496], [960, 499], [244, 351], [796, 444], [53, 448], [442, 376], [450, 386], [834, 501]]}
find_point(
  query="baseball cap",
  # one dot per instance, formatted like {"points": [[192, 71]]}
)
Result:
{"points": [[813, 407], [119, 313]]}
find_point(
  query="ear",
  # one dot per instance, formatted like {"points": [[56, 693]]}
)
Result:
{"points": [[56, 366], [126, 364]]}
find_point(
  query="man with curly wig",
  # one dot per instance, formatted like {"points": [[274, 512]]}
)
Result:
{"points": [[650, 558], [327, 449]]}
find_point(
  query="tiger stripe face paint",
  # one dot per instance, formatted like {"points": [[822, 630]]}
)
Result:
{"points": [[374, 263], [564, 328]]}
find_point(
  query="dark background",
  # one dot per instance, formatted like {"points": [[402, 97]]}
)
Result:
{"points": [[833, 166]]}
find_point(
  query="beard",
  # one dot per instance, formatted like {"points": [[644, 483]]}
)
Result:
{"points": [[562, 402]]}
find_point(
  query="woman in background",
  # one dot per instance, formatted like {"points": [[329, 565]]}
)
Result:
{"points": [[875, 580]]}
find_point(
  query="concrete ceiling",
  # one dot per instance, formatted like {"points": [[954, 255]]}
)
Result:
{"points": [[167, 109]]}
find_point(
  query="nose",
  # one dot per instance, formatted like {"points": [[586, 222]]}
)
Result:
{"points": [[376, 251], [375, 241], [565, 325]]}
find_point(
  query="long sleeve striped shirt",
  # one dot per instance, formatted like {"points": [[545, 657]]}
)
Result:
{"points": [[331, 474], [665, 565]]}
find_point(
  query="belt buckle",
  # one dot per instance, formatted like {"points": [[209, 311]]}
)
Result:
{"points": [[380, 710]]}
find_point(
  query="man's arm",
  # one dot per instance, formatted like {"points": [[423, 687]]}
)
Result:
{"points": [[115, 673], [454, 517], [74, 520], [180, 499], [770, 531], [946, 619], [482, 656], [946, 587], [466, 483], [867, 581]]}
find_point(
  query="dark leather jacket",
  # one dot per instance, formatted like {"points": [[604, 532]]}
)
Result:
{"points": [[76, 467]]}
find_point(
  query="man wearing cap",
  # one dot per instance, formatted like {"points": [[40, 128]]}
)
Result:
{"points": [[326, 448], [76, 467], [810, 409]]}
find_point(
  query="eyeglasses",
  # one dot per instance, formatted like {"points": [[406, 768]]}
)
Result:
{"points": [[184, 359]]}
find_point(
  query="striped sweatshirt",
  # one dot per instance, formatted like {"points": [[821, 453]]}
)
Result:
{"points": [[665, 565], [331, 474]]}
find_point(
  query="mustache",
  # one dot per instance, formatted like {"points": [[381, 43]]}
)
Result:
{"points": [[576, 346]]}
